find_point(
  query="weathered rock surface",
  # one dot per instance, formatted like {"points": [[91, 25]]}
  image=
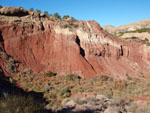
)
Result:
{"points": [[41, 44], [96, 104], [13, 11]]}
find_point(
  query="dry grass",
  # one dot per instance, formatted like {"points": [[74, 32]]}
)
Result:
{"points": [[57, 88]]}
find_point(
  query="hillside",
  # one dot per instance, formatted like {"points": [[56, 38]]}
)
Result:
{"points": [[138, 30], [68, 46]]}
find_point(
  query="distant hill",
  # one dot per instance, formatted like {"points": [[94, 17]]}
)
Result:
{"points": [[137, 30]]}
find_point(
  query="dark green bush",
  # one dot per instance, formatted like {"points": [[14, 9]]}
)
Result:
{"points": [[146, 39], [72, 77], [66, 16], [49, 73], [104, 77], [46, 13], [11, 68], [1, 6], [38, 11], [57, 15], [134, 38], [31, 9], [76, 26], [65, 92]]}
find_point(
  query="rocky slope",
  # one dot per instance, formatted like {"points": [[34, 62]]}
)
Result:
{"points": [[42, 43], [129, 27], [139, 30]]}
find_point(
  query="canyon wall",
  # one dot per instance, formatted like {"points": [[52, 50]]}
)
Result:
{"points": [[42, 44]]}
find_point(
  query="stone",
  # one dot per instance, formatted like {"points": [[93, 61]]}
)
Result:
{"points": [[71, 103]]}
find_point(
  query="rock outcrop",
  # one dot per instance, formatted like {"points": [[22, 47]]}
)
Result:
{"points": [[13, 11], [42, 44], [96, 104]]}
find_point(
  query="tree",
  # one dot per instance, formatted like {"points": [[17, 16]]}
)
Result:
{"points": [[46, 13], [66, 16], [1, 6], [146, 39], [31, 9], [38, 11], [57, 15]]}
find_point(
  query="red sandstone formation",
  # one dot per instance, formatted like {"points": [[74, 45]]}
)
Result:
{"points": [[42, 44]]}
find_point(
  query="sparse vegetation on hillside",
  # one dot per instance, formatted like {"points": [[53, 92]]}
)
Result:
{"points": [[136, 31], [58, 88], [15, 100]]}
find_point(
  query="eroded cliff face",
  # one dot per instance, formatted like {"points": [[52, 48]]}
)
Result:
{"points": [[42, 44]]}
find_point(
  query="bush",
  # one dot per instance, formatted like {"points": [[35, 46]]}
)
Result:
{"points": [[31, 9], [57, 15], [49, 73], [134, 38], [11, 68], [146, 39], [76, 26], [72, 77], [20, 104], [66, 16], [38, 11], [46, 13], [65, 92], [4, 55], [104, 77], [1, 6]]}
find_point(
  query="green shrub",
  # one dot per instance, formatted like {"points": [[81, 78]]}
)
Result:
{"points": [[142, 30], [1, 6], [4, 55], [52, 95], [76, 25], [66, 16], [104, 77], [11, 68], [57, 15], [46, 13], [146, 39], [31, 9], [72, 77], [38, 11], [136, 31], [65, 92], [49, 74]]}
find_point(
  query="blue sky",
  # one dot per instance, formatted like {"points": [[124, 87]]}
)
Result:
{"points": [[105, 12]]}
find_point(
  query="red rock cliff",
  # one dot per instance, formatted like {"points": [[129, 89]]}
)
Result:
{"points": [[42, 44]]}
